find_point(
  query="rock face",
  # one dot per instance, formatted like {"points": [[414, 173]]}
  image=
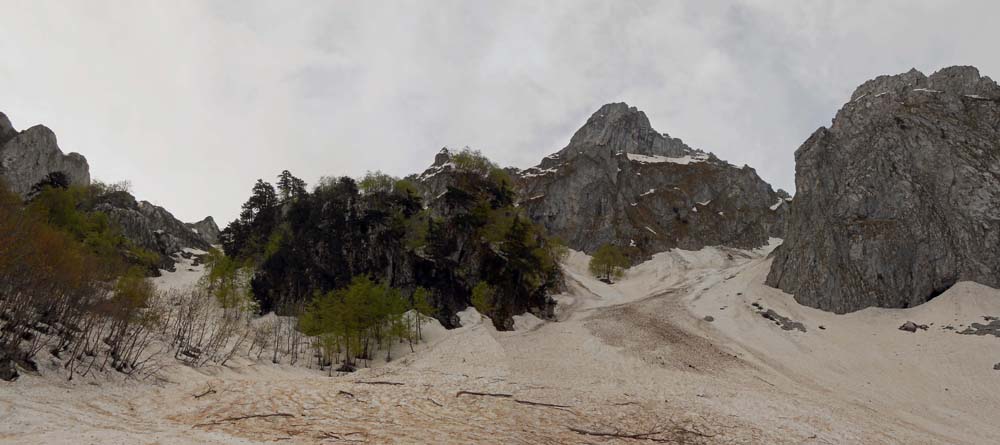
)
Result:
{"points": [[899, 198], [621, 182], [207, 229], [29, 156], [7, 130], [150, 226]]}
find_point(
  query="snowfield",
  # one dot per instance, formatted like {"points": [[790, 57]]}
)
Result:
{"points": [[678, 351], [656, 159]]}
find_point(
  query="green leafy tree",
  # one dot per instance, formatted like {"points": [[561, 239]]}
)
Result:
{"points": [[228, 281], [608, 263], [356, 320], [377, 182], [484, 298], [473, 161]]}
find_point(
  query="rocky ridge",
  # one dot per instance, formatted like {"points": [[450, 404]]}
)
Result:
{"points": [[28, 156], [900, 197], [150, 226]]}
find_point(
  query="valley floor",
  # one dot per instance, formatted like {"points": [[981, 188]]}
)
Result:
{"points": [[677, 352]]}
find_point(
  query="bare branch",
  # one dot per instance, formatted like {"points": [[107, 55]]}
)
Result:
{"points": [[236, 419]]}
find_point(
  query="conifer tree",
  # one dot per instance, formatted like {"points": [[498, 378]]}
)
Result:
{"points": [[290, 187]]}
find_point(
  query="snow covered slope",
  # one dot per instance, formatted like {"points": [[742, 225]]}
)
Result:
{"points": [[680, 349]]}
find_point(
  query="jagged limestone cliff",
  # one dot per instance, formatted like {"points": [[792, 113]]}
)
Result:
{"points": [[900, 197], [27, 157]]}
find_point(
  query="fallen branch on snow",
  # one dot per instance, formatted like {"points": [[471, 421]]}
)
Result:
{"points": [[550, 405], [484, 394], [652, 436], [341, 436], [236, 419]]}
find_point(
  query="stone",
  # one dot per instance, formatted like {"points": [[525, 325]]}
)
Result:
{"points": [[781, 321], [8, 372], [909, 326], [900, 198]]}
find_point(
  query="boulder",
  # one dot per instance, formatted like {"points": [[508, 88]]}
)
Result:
{"points": [[909, 326], [8, 372]]}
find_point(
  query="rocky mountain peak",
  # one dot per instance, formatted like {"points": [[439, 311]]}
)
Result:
{"points": [[608, 119], [621, 182], [442, 158], [207, 229], [618, 128]]}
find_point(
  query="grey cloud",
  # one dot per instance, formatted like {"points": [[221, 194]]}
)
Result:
{"points": [[193, 101]]}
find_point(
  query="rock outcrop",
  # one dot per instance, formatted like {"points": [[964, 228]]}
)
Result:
{"points": [[899, 198], [207, 229], [621, 182], [27, 157], [150, 226]]}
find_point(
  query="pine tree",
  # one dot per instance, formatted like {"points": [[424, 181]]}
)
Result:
{"points": [[263, 199], [259, 217], [290, 187]]}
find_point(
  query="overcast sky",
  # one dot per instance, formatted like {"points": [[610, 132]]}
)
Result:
{"points": [[193, 101]]}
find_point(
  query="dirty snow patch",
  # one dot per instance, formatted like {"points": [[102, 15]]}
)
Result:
{"points": [[683, 160], [526, 322], [469, 316]]}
